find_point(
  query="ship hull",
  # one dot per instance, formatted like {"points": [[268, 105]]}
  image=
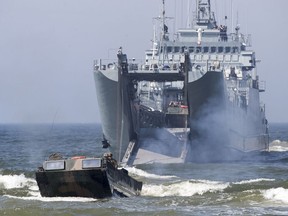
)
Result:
{"points": [[220, 130], [115, 123], [106, 91]]}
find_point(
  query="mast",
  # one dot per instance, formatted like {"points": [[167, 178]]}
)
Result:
{"points": [[163, 33], [188, 14], [163, 17], [164, 36], [164, 26], [154, 45], [204, 16], [232, 15]]}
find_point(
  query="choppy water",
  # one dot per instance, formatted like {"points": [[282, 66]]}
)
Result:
{"points": [[256, 186]]}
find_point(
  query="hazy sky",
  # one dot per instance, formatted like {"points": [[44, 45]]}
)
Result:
{"points": [[47, 48]]}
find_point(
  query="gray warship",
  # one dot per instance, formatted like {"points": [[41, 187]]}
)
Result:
{"points": [[195, 97], [81, 176]]}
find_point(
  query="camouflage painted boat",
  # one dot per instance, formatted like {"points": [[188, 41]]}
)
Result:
{"points": [[81, 176]]}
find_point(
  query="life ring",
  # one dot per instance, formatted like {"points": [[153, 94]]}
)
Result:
{"points": [[78, 157], [110, 66]]}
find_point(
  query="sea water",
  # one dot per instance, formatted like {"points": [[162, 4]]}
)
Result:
{"points": [[256, 185]]}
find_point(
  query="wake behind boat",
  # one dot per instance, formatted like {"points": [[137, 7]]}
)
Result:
{"points": [[196, 97]]}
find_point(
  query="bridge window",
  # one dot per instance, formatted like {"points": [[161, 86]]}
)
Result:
{"points": [[191, 49], [169, 49], [182, 49], [198, 49], [235, 50], [220, 49], [213, 49], [206, 49], [227, 49], [176, 49]]}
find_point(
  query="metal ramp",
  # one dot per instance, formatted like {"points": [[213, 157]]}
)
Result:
{"points": [[157, 145]]}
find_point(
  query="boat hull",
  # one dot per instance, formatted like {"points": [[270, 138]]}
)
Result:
{"points": [[88, 183], [96, 183]]}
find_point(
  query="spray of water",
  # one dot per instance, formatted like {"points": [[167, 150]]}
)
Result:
{"points": [[221, 131], [183, 188], [276, 194]]}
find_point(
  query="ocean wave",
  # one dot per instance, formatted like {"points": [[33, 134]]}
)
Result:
{"points": [[38, 197], [183, 188], [145, 174], [9, 182], [15, 181], [278, 146], [253, 181], [276, 194]]}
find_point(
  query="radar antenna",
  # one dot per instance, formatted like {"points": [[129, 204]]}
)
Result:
{"points": [[204, 15]]}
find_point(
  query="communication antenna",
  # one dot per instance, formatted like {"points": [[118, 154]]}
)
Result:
{"points": [[188, 15], [163, 16], [237, 18], [182, 13], [175, 15], [225, 12], [232, 20]]}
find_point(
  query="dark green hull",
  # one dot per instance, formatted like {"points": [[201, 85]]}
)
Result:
{"points": [[94, 183]]}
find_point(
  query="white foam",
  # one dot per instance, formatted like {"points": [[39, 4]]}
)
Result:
{"points": [[183, 188], [278, 146], [276, 194], [20, 181], [145, 174], [253, 181], [15, 181], [38, 197]]}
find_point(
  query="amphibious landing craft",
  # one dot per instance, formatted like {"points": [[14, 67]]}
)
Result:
{"points": [[194, 97], [85, 177]]}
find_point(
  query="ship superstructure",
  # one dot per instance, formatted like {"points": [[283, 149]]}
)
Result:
{"points": [[196, 97]]}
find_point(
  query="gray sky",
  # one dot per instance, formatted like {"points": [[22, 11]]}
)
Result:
{"points": [[47, 48]]}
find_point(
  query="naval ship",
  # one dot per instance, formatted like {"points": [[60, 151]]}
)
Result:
{"points": [[194, 97]]}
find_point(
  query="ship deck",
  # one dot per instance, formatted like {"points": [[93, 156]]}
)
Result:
{"points": [[159, 75]]}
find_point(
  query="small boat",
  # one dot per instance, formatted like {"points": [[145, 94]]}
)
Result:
{"points": [[82, 176]]}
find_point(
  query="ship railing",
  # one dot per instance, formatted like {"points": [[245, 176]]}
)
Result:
{"points": [[244, 39], [232, 83], [105, 64], [112, 64], [135, 65]]}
